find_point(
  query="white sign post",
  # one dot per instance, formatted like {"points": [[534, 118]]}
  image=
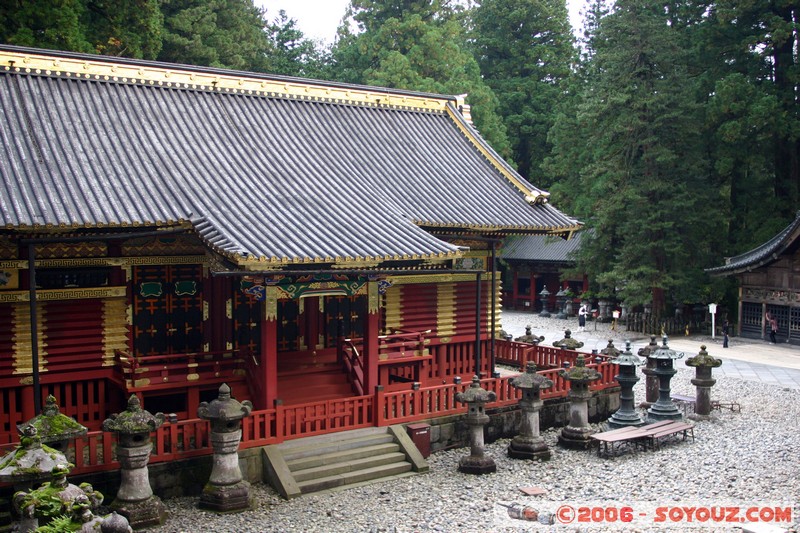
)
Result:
{"points": [[712, 308]]}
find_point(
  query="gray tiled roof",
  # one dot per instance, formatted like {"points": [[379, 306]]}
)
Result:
{"points": [[262, 176], [761, 255], [541, 248]]}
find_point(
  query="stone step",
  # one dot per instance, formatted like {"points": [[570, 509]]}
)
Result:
{"points": [[352, 454], [344, 467], [339, 461], [347, 478], [291, 451]]}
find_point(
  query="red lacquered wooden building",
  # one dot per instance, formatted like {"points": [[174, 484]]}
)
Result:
{"points": [[167, 228]]}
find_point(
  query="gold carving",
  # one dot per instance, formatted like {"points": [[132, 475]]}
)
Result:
{"points": [[255, 85], [115, 328], [436, 278], [46, 295], [9, 278], [271, 303], [445, 310], [393, 317], [205, 310], [373, 298], [141, 382], [166, 260], [27, 380], [190, 377]]}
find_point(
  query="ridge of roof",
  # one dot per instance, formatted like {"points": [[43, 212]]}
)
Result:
{"points": [[411, 170], [762, 254], [533, 195], [191, 77]]}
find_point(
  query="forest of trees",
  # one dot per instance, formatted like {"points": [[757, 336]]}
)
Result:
{"points": [[669, 127]]}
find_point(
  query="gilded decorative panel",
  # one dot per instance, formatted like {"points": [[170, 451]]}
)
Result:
{"points": [[445, 310], [115, 328], [166, 245]]}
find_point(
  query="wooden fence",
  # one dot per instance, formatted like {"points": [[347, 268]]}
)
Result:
{"points": [[653, 324], [189, 438]]}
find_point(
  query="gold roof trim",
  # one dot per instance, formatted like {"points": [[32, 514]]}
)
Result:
{"points": [[495, 228], [81, 68], [276, 263], [532, 196]]}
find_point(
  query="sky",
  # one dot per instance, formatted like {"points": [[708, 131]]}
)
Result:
{"points": [[318, 19]]}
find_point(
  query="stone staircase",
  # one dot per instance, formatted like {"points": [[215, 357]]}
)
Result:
{"points": [[341, 460]]}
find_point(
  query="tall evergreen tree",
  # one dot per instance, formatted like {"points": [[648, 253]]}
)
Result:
{"points": [[751, 78], [417, 45], [525, 51], [291, 53], [216, 33], [130, 28], [645, 187]]}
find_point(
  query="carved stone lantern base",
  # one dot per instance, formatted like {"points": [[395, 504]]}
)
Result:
{"points": [[142, 514], [226, 498], [470, 464], [575, 438], [528, 448]]}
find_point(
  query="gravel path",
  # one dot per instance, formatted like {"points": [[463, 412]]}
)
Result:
{"points": [[747, 458]]}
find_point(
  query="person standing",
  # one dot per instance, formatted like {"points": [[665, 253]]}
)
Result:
{"points": [[582, 317], [772, 324], [725, 329]]}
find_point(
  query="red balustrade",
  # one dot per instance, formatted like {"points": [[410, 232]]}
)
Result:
{"points": [[95, 451]]}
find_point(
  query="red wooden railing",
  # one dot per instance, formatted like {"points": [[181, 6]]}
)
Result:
{"points": [[354, 364], [188, 438], [165, 371]]}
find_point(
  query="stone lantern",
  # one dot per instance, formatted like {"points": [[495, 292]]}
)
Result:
{"points": [[651, 381], [568, 342], [476, 399], [626, 415], [703, 363], [30, 461], [561, 298], [54, 429], [225, 491], [529, 337], [529, 444], [576, 434], [612, 351], [545, 297], [53, 499], [664, 408], [135, 499]]}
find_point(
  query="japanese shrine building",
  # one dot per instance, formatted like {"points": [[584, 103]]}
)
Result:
{"points": [[167, 228], [769, 280], [535, 262]]}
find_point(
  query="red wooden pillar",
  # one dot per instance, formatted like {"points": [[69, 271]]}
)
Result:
{"points": [[585, 283], [371, 332], [268, 364], [533, 292], [515, 290]]}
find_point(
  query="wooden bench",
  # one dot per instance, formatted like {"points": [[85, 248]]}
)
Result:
{"points": [[687, 401], [653, 435], [624, 436]]}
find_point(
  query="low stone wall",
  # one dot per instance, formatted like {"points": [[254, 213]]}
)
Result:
{"points": [[188, 477], [451, 431]]}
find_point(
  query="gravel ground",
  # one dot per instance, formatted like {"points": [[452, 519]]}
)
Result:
{"points": [[737, 459]]}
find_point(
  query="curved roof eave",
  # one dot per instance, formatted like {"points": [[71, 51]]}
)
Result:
{"points": [[761, 255]]}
